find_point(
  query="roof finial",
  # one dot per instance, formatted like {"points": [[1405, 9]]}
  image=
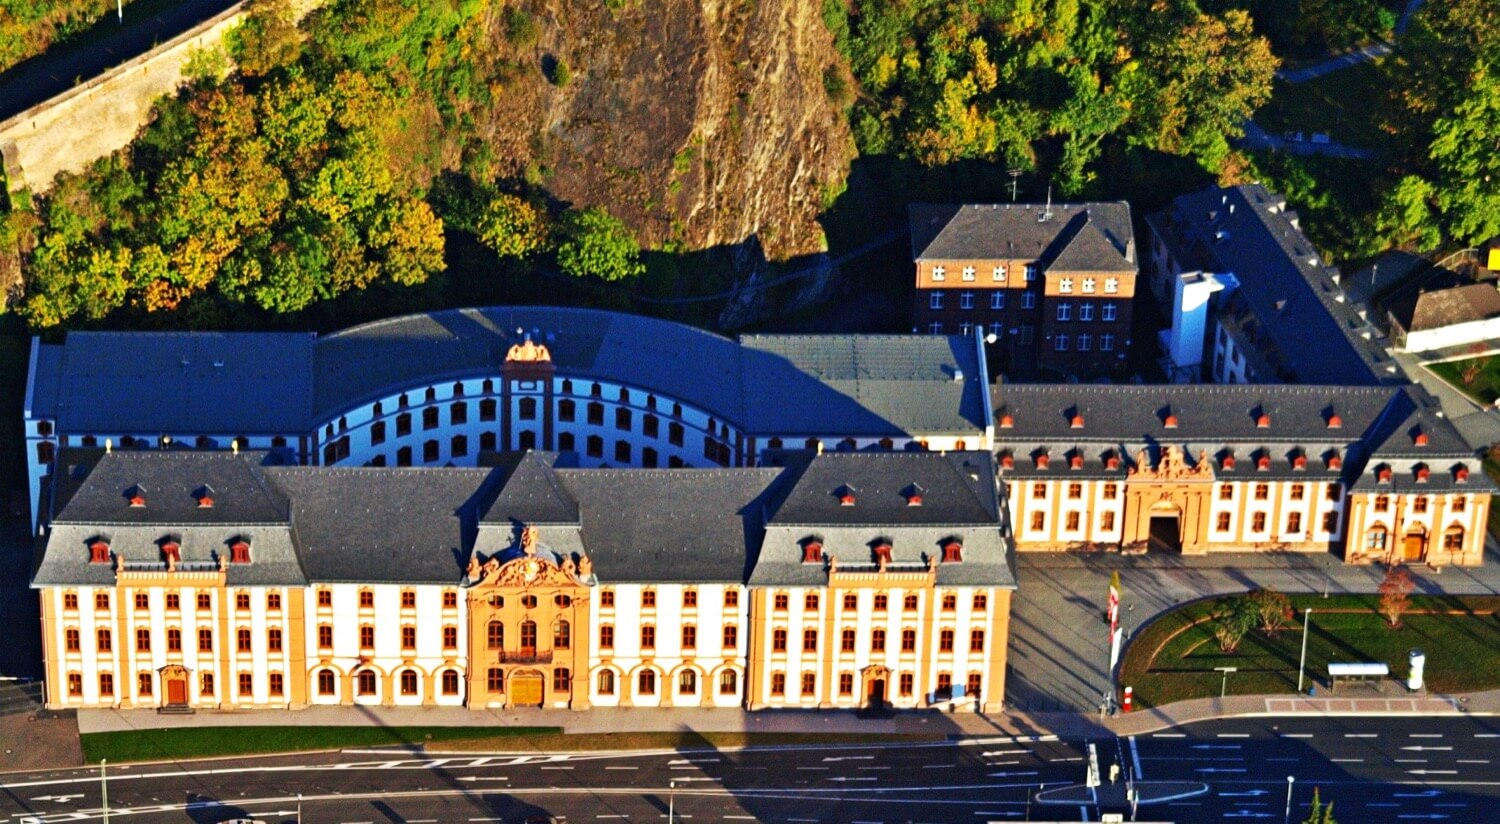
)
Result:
{"points": [[109, 445], [1047, 212]]}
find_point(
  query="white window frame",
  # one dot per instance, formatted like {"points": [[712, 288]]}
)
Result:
{"points": [[1111, 286], [1060, 342], [997, 300], [1030, 272], [966, 300], [998, 275], [966, 328], [935, 301], [935, 328], [1085, 310], [968, 273], [1065, 286], [997, 329], [1110, 312], [1028, 300], [1085, 342], [1088, 285], [1106, 342], [1064, 311], [939, 273]]}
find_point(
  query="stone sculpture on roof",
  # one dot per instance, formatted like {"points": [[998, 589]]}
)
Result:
{"points": [[528, 351]]}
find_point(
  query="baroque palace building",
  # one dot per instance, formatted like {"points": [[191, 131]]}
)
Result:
{"points": [[573, 508]]}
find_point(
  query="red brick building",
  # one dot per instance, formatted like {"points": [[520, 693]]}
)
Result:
{"points": [[1052, 284]]}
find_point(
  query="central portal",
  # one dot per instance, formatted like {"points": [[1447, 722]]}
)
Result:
{"points": [[1166, 532]]}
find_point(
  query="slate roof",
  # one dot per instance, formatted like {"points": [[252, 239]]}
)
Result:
{"points": [[147, 382], [863, 385], [245, 507], [532, 493], [1288, 310], [186, 383], [958, 502], [1076, 237], [1445, 307]]}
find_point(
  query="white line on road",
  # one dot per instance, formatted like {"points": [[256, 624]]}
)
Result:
{"points": [[1168, 735], [1425, 735], [1473, 761], [854, 758], [1296, 735], [1346, 760], [812, 768], [695, 761], [622, 768], [1410, 760], [1135, 758], [874, 768], [557, 768], [1233, 735], [1486, 735], [484, 778], [996, 752], [1361, 735]]}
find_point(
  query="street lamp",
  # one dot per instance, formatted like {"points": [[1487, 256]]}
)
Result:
{"points": [[671, 801], [104, 788], [1287, 816], [1302, 667], [1224, 686], [299, 808]]}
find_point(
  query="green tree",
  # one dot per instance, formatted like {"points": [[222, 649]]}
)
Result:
{"points": [[1233, 619], [597, 244], [1272, 609], [1406, 217], [512, 227], [267, 39], [1319, 813]]}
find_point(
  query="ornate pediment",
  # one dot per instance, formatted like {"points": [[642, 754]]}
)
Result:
{"points": [[528, 351], [1171, 468], [530, 568]]}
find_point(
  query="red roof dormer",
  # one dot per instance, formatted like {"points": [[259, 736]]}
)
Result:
{"points": [[1335, 422], [171, 551], [1263, 463], [1076, 422], [1263, 421], [1043, 460], [1422, 473], [882, 553], [953, 552], [1007, 421], [846, 495], [1076, 462], [1335, 461], [1383, 474], [812, 552], [137, 496], [1007, 461], [1112, 462], [205, 502], [239, 552], [99, 552], [1420, 439], [1299, 462], [1170, 422], [1227, 462], [914, 495], [1461, 475]]}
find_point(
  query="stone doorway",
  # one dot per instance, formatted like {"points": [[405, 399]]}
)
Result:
{"points": [[1165, 533], [174, 679], [526, 689], [877, 680], [1414, 545]]}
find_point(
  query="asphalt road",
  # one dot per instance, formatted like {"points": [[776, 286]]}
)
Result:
{"points": [[107, 44], [1373, 769]]}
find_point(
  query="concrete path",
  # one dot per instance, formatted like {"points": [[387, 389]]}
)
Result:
{"points": [[1332, 64], [1258, 138]]}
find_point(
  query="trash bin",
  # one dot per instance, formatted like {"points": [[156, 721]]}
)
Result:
{"points": [[1417, 660]]}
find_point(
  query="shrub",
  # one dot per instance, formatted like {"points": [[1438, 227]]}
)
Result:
{"points": [[1233, 617], [1272, 609], [1395, 592], [596, 243]]}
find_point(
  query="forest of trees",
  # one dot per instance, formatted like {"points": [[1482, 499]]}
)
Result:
{"points": [[28, 27], [341, 154]]}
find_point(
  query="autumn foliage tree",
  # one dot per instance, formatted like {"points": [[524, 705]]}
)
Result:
{"points": [[1395, 592]]}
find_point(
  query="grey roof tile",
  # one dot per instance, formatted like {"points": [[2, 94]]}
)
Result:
{"points": [[1077, 237]]}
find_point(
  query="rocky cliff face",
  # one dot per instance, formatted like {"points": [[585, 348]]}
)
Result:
{"points": [[701, 123]]}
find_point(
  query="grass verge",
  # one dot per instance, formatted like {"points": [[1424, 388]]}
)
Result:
{"points": [[1484, 385], [1173, 658], [207, 742]]}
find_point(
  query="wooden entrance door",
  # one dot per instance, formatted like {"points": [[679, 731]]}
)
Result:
{"points": [[526, 690], [875, 693], [176, 691], [1412, 547]]}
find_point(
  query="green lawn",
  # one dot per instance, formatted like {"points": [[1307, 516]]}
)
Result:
{"points": [[1485, 386], [202, 742], [207, 742], [1173, 658], [1343, 104]]}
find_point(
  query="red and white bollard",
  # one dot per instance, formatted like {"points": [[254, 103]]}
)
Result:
{"points": [[1129, 703]]}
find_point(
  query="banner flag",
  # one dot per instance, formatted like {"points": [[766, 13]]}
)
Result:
{"points": [[1114, 601]]}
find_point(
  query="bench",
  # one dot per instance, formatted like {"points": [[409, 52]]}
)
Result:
{"points": [[1355, 672]]}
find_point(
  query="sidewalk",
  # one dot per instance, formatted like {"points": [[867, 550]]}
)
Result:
{"points": [[601, 720]]}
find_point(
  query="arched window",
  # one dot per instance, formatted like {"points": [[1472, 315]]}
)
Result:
{"points": [[562, 634], [326, 683], [528, 409], [606, 682], [1453, 539], [528, 440], [408, 682], [646, 682], [495, 635], [729, 682], [450, 682], [1375, 539], [528, 636], [687, 682], [366, 682]]}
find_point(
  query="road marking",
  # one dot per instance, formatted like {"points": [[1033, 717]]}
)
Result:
{"points": [[857, 758], [995, 752], [612, 815], [486, 819], [1361, 735], [1425, 735], [1487, 735], [1296, 735], [1420, 748], [622, 768], [1346, 760], [1432, 772], [938, 766], [483, 778], [1168, 735], [1450, 805], [1233, 735], [1003, 763], [695, 761], [1135, 759], [557, 768], [874, 768], [1473, 761], [812, 768], [1410, 760]]}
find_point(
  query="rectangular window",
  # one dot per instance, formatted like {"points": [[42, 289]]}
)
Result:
{"points": [[731, 637], [1226, 492], [648, 599], [1223, 522], [606, 636], [101, 600], [997, 300], [778, 640], [1294, 522], [908, 640], [430, 418], [935, 328], [1110, 312], [174, 639], [1060, 343], [408, 637], [1419, 504], [881, 602], [1298, 491], [778, 683], [1064, 311], [976, 640], [674, 434], [450, 638], [1106, 343], [1075, 491], [143, 640], [907, 683], [1038, 521], [935, 300], [273, 601], [1111, 491], [1258, 523], [403, 424], [648, 636], [846, 683], [1262, 492], [1107, 521], [809, 684], [607, 598], [966, 300], [1085, 342], [247, 684], [367, 637], [1086, 310], [377, 433], [1028, 300], [1458, 504], [689, 637], [143, 601], [1072, 522], [1330, 521], [1334, 492], [1030, 272], [809, 640], [487, 410], [277, 684], [325, 636], [241, 601]]}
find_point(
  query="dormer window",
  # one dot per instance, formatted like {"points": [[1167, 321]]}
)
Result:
{"points": [[1299, 462], [1065, 286], [846, 495], [1170, 421], [205, 496], [1335, 462], [953, 552], [1042, 460], [137, 496], [1111, 285], [1263, 463], [171, 551], [1112, 462], [239, 552], [1227, 462], [812, 551], [1422, 473], [1335, 422], [1420, 439], [882, 553], [1076, 421], [998, 274], [1383, 474], [1461, 475], [1076, 462], [914, 495], [99, 552], [1263, 421], [1007, 461], [939, 273], [968, 273], [1007, 421]]}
